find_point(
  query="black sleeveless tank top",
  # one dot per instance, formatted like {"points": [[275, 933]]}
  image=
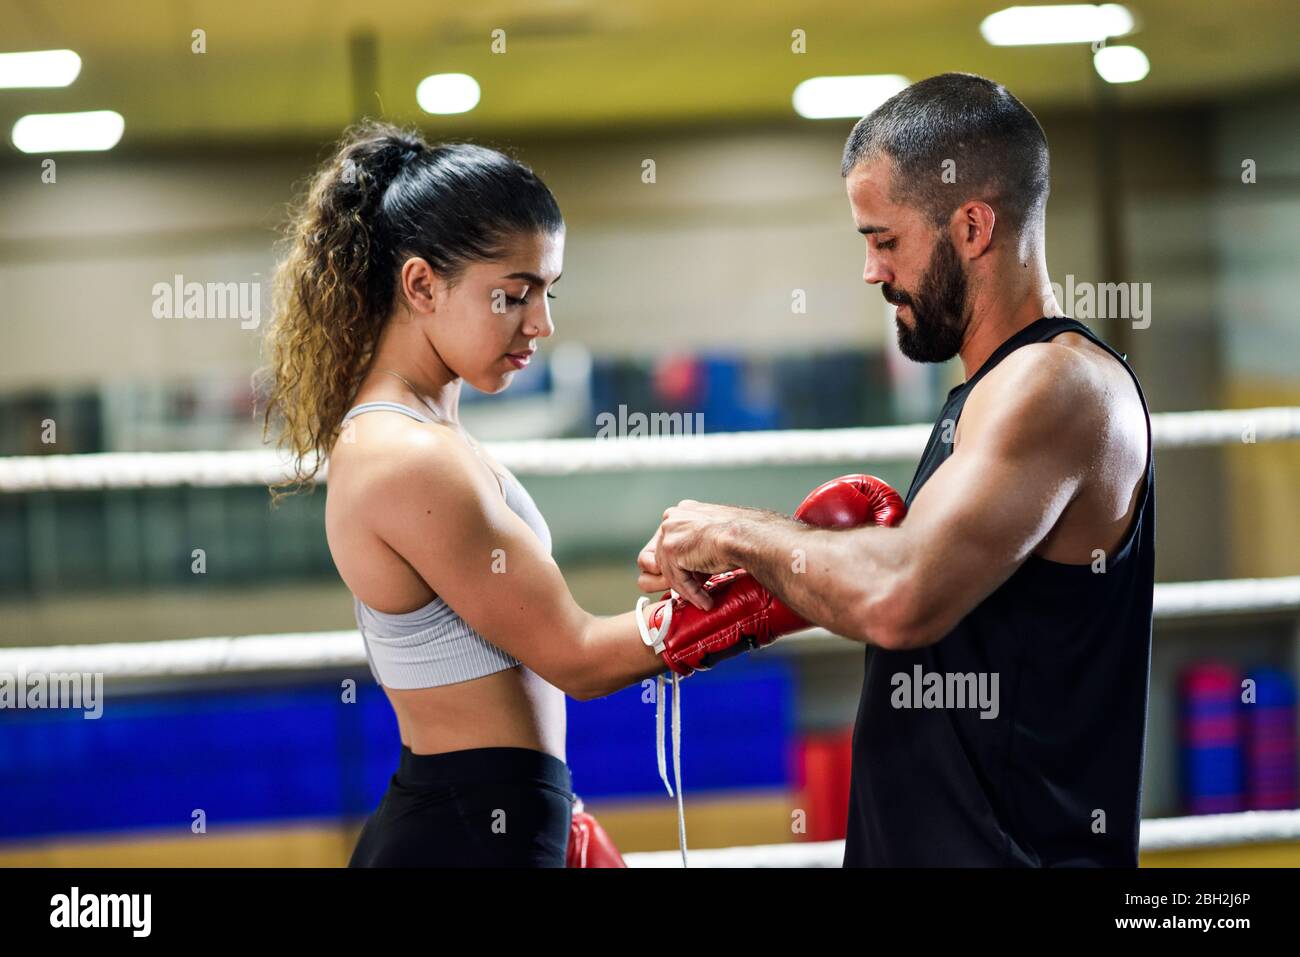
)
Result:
{"points": [[1055, 778]]}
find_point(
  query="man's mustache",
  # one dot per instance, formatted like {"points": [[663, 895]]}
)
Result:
{"points": [[895, 297]]}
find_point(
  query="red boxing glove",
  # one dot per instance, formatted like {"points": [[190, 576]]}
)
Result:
{"points": [[745, 615], [589, 845], [850, 501]]}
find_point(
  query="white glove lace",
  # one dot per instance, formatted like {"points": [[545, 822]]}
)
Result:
{"points": [[654, 639]]}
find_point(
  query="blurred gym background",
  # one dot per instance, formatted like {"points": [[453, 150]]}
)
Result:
{"points": [[711, 267]]}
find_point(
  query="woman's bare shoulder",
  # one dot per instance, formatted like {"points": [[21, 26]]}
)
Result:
{"points": [[396, 462]]}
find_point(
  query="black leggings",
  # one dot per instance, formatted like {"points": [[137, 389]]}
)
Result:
{"points": [[485, 807]]}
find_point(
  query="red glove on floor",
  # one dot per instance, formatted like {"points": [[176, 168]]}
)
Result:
{"points": [[589, 845]]}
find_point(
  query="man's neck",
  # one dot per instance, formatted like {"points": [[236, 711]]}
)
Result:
{"points": [[993, 324]]}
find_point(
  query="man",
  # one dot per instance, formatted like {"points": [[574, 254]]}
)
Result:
{"points": [[1008, 618]]}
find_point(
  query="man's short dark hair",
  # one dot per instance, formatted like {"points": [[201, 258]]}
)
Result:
{"points": [[998, 150]]}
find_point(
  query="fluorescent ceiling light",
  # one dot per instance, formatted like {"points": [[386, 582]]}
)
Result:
{"points": [[1066, 23], [68, 132], [1121, 64], [837, 97], [447, 93], [38, 68]]}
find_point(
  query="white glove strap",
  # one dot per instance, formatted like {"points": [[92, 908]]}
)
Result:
{"points": [[653, 638]]}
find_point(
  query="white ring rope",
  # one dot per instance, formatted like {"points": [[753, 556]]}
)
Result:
{"points": [[1156, 834], [125, 470], [308, 651], [1233, 597], [192, 657]]}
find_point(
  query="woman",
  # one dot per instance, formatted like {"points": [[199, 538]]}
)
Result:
{"points": [[413, 269]]}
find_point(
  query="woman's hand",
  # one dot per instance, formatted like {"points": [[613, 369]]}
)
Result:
{"points": [[651, 578]]}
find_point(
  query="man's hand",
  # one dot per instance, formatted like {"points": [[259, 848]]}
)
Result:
{"points": [[746, 615], [689, 547]]}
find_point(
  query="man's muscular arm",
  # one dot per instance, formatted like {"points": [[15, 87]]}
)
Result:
{"points": [[823, 575], [1030, 434]]}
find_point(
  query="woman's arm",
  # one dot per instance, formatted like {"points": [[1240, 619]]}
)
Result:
{"points": [[440, 512]]}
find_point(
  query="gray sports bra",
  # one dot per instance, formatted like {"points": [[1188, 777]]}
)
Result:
{"points": [[433, 645]]}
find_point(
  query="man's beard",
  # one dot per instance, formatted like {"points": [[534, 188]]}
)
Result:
{"points": [[938, 308]]}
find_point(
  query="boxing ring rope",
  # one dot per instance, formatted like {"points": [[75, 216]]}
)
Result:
{"points": [[312, 651], [1155, 834], [343, 649], [129, 470]]}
